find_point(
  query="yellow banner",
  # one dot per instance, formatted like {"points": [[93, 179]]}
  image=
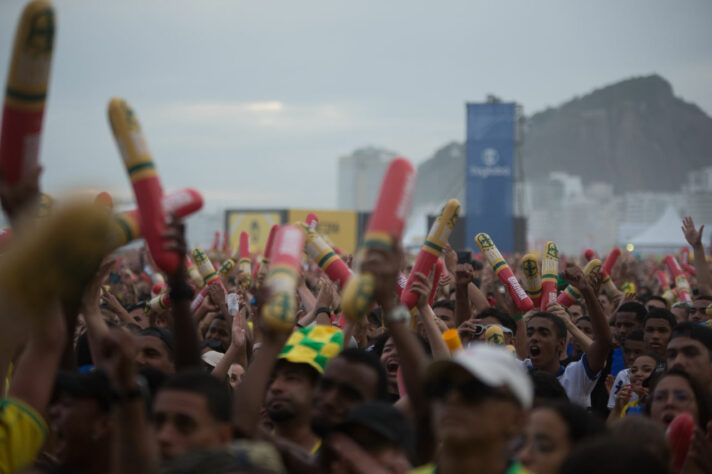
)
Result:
{"points": [[339, 227], [256, 224]]}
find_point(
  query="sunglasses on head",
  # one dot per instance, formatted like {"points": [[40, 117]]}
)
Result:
{"points": [[481, 329]]}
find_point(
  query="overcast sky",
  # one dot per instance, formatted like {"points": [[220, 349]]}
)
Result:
{"points": [[252, 102]]}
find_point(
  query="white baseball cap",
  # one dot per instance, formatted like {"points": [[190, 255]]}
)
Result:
{"points": [[494, 366]]}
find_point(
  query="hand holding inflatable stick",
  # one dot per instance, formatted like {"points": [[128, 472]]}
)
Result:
{"points": [[430, 251], [532, 279], [26, 91], [207, 271], [244, 262], [144, 178], [384, 231], [504, 273], [570, 294], [279, 312], [322, 253], [608, 286]]}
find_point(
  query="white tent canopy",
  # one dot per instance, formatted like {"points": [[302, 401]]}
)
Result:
{"points": [[663, 237]]}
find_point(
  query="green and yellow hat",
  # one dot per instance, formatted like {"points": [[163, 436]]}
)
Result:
{"points": [[314, 345]]}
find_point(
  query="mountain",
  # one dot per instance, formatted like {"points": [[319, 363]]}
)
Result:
{"points": [[635, 135]]}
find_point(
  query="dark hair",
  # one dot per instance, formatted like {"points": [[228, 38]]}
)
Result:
{"points": [[612, 457], [580, 423], [694, 331], [583, 318], [215, 392], [503, 318], [659, 313], [703, 297], [162, 334], [634, 307], [359, 356], [657, 298], [645, 432], [219, 317], [443, 303], [559, 325], [702, 397], [635, 335], [547, 387], [137, 305]]}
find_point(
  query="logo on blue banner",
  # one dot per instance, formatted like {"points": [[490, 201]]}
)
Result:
{"points": [[490, 172]]}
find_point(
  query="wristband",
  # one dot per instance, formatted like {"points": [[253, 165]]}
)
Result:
{"points": [[518, 317], [323, 309], [181, 292]]}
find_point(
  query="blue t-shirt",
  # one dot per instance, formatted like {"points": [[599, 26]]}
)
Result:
{"points": [[617, 363]]}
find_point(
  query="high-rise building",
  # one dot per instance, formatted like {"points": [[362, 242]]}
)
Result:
{"points": [[360, 176]]}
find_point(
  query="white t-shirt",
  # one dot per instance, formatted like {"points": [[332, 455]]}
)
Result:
{"points": [[623, 378], [577, 378]]}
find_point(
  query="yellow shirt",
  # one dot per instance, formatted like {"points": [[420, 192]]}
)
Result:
{"points": [[22, 434]]}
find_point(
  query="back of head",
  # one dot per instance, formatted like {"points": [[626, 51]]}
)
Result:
{"points": [[359, 356], [216, 393], [693, 331], [580, 422], [634, 307], [547, 387], [611, 457], [644, 432]]}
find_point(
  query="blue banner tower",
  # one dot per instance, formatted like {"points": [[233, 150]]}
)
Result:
{"points": [[490, 173]]}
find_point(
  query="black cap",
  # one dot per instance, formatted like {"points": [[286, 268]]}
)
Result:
{"points": [[384, 420], [162, 334], [94, 384]]}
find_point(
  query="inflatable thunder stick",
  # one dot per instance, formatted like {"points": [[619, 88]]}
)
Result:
{"points": [[570, 294], [681, 284], [590, 254], [207, 271], [386, 224], [684, 255], [689, 269], [312, 220], [402, 281], [144, 178], [279, 311], [104, 199], [532, 279], [607, 284], [679, 437], [452, 339], [194, 273], [549, 274], [324, 256], [494, 335], [216, 240], [227, 267], [182, 203], [158, 304], [432, 248], [504, 273], [439, 270], [26, 91], [244, 263]]}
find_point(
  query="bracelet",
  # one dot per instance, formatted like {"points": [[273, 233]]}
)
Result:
{"points": [[323, 309], [518, 317], [181, 292]]}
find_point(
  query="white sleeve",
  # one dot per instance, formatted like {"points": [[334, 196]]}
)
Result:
{"points": [[621, 379], [578, 380]]}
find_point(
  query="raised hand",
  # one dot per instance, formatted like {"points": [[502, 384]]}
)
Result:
{"points": [[575, 277], [693, 236], [174, 241], [422, 285]]}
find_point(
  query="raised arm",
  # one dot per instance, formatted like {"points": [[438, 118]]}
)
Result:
{"points": [[597, 353], [423, 285], [694, 238], [181, 294]]}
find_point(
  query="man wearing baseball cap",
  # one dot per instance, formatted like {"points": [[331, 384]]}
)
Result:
{"points": [[478, 405]]}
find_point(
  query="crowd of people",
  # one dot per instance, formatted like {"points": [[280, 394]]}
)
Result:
{"points": [[100, 379]]}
